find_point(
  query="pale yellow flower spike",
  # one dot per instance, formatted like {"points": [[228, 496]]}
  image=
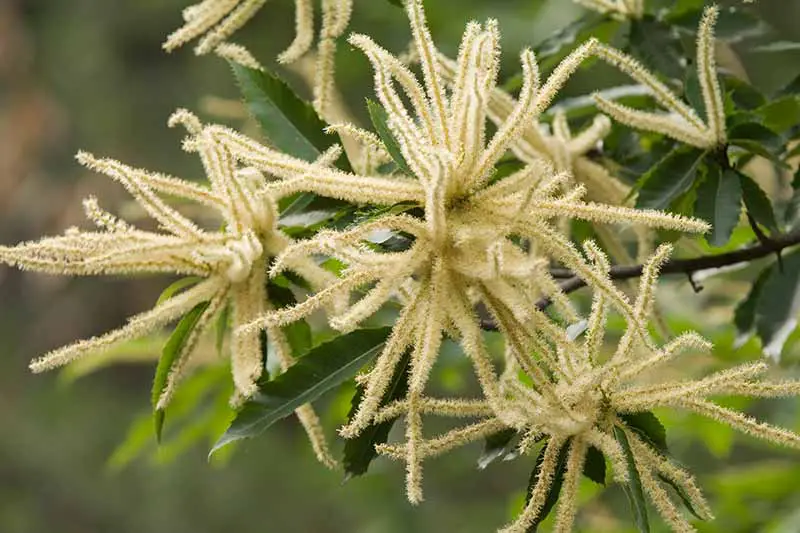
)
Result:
{"points": [[682, 122], [589, 395], [335, 18], [237, 53], [623, 9], [304, 22], [232, 261]]}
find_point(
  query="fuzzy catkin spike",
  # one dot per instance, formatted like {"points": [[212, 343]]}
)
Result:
{"points": [[236, 53], [707, 74]]}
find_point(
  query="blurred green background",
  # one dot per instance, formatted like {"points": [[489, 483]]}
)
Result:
{"points": [[90, 74]]}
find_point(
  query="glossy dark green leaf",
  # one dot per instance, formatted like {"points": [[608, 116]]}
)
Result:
{"points": [[633, 488], [778, 305], [297, 333], [669, 178], [169, 355], [321, 369], [559, 44], [745, 315], [505, 168], [291, 124], [359, 452], [496, 446], [692, 91], [595, 466], [733, 23], [554, 48], [719, 202], [791, 213], [741, 95], [566, 37], [753, 134], [781, 114], [648, 426], [682, 205], [757, 202], [657, 45], [555, 485], [380, 121]]}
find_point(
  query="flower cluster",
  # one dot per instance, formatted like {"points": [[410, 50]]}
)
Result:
{"points": [[590, 397], [230, 263], [463, 248], [478, 246]]}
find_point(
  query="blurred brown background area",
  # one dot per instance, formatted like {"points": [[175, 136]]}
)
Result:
{"points": [[91, 75]]}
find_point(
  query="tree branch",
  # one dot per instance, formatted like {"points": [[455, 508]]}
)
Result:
{"points": [[687, 267]]}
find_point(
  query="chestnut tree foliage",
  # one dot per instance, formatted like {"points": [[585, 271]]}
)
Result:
{"points": [[476, 209]]}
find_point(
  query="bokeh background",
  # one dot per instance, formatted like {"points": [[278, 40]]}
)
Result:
{"points": [[90, 74]]}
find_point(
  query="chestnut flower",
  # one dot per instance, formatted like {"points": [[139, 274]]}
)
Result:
{"points": [[466, 244], [232, 261]]}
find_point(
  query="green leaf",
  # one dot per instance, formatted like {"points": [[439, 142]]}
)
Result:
{"points": [[297, 333], [176, 287], [555, 485], [657, 45], [380, 120], [554, 48], [778, 305], [290, 123], [693, 93], [321, 369], [719, 202], [360, 451], [745, 315], [169, 355], [633, 489], [756, 138], [782, 114], [504, 168], [595, 466], [733, 23], [496, 446], [648, 426], [740, 95], [398, 3], [757, 202], [669, 178]]}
